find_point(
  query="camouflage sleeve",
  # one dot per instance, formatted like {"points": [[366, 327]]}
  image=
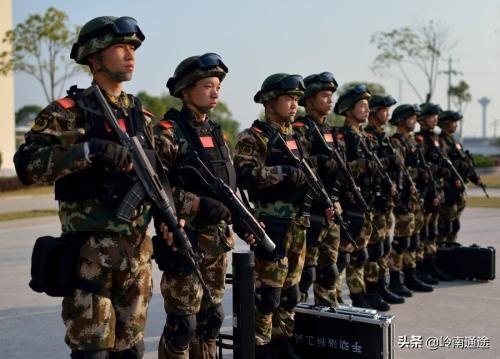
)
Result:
{"points": [[50, 150], [306, 145], [249, 161]]}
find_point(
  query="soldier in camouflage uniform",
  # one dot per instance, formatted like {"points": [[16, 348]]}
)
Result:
{"points": [[353, 105], [323, 237], [454, 191], [407, 212], [379, 246], [193, 323], [433, 192], [277, 189], [72, 147]]}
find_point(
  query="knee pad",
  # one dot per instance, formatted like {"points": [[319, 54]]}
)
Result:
{"points": [[95, 354], [387, 246], [414, 242], [327, 276], [267, 298], [290, 297], [359, 257], [210, 322], [307, 279], [375, 251], [342, 260], [179, 331], [134, 352], [400, 244], [455, 226]]}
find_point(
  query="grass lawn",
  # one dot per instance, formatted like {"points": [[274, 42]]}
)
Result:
{"points": [[492, 202], [492, 181], [9, 216], [29, 191]]}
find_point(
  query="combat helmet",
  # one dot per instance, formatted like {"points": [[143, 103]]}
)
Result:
{"points": [[316, 83], [102, 32], [350, 98], [195, 68], [279, 84], [402, 112]]}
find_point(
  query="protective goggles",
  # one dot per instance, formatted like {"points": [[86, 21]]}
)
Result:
{"points": [[204, 62], [360, 89], [290, 82], [123, 26], [324, 77]]}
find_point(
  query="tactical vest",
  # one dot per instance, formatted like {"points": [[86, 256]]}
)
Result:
{"points": [[332, 182], [208, 142], [93, 182], [431, 146], [284, 190], [411, 155]]}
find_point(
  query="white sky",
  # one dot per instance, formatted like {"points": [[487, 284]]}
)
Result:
{"points": [[257, 38]]}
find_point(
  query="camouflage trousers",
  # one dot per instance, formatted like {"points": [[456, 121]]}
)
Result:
{"points": [[325, 254], [122, 266], [429, 234], [355, 277], [277, 278], [379, 268], [449, 222], [407, 225]]}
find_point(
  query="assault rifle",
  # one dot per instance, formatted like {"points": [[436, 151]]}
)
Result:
{"points": [[150, 185], [313, 182], [240, 215], [472, 168]]}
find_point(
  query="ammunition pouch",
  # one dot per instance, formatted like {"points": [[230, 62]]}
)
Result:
{"points": [[54, 264]]}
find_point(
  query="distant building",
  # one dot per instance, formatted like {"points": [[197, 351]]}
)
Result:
{"points": [[482, 146], [7, 122]]}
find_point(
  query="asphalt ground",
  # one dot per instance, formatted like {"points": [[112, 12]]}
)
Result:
{"points": [[31, 325]]}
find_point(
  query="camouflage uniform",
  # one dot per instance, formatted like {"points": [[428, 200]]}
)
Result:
{"points": [[274, 186], [193, 323], [116, 256], [454, 192], [279, 275], [323, 237]]}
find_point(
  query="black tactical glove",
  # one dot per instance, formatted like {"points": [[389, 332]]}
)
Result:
{"points": [[325, 163], [294, 175], [212, 211], [108, 154]]}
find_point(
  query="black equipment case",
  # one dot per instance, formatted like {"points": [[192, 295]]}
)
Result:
{"points": [[344, 332], [473, 262]]}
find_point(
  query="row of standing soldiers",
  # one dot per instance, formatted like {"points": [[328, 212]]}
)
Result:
{"points": [[367, 176]]}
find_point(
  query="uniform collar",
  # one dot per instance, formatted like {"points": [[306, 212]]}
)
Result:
{"points": [[284, 129]]}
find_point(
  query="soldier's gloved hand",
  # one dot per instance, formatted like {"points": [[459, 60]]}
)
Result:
{"points": [[326, 163], [294, 175], [108, 154], [212, 210]]}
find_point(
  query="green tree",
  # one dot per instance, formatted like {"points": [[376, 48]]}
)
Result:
{"points": [[419, 48], [26, 114], [158, 105], [40, 47]]}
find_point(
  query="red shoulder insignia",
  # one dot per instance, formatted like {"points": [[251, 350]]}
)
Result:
{"points": [[147, 113], [256, 129], [298, 124], [167, 125], [66, 102], [339, 135], [419, 138]]}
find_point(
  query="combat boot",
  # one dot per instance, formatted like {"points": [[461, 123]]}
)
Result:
{"points": [[425, 276], [374, 299], [433, 270], [284, 348], [396, 285], [412, 282], [340, 300], [360, 300], [264, 351], [97, 354], [387, 295]]}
